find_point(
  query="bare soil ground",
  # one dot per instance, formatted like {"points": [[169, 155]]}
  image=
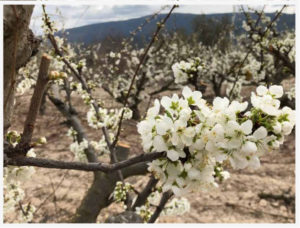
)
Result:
{"points": [[266, 195]]}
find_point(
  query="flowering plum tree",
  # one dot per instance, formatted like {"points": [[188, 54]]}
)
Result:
{"points": [[187, 140]]}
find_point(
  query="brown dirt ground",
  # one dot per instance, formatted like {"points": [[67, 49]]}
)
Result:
{"points": [[237, 200]]}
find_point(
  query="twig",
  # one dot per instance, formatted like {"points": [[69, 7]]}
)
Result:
{"points": [[49, 196], [36, 99], [273, 20], [54, 197], [104, 167], [154, 37], [237, 74], [141, 62], [246, 56], [22, 209], [164, 199], [142, 196], [77, 75]]}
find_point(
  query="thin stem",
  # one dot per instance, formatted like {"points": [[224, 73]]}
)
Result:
{"points": [[154, 38], [77, 75]]}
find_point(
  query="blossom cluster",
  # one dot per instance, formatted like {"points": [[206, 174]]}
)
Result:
{"points": [[13, 192], [121, 190], [78, 150], [144, 211], [108, 118], [185, 70], [198, 138], [177, 206]]}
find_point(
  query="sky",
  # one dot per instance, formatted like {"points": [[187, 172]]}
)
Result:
{"points": [[79, 15]]}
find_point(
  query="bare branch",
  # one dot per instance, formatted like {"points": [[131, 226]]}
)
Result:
{"points": [[36, 99], [77, 75], [142, 197], [51, 194], [75, 122], [104, 167], [164, 199], [154, 38]]}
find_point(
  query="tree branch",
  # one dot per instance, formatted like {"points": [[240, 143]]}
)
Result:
{"points": [[154, 37], [36, 99], [142, 197], [104, 167], [75, 122], [164, 199]]}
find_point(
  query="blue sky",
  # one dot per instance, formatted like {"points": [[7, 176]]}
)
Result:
{"points": [[78, 15]]}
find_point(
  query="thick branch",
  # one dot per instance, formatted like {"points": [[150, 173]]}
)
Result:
{"points": [[19, 44], [141, 200], [75, 122], [98, 195], [36, 99], [164, 199], [104, 167]]}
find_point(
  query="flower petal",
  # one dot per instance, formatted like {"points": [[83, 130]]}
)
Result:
{"points": [[260, 133], [172, 155], [261, 90], [276, 90], [247, 127]]}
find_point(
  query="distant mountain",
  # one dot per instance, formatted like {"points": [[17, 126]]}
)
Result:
{"points": [[97, 32]]}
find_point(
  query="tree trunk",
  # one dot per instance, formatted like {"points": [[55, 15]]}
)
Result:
{"points": [[136, 115], [99, 195], [19, 45]]}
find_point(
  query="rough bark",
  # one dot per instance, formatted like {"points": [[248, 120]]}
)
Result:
{"points": [[99, 194], [125, 217], [19, 45]]}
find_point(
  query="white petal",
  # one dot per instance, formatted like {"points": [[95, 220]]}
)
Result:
{"points": [[187, 92], [238, 162], [254, 162], [194, 174], [260, 133], [180, 123], [197, 95], [164, 125], [255, 100], [152, 112], [175, 139], [261, 90], [270, 110], [199, 144], [220, 103], [172, 155], [276, 90], [247, 127], [287, 128], [189, 132], [277, 128], [144, 127], [234, 143], [166, 102], [249, 147], [159, 144], [210, 146], [236, 106]]}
